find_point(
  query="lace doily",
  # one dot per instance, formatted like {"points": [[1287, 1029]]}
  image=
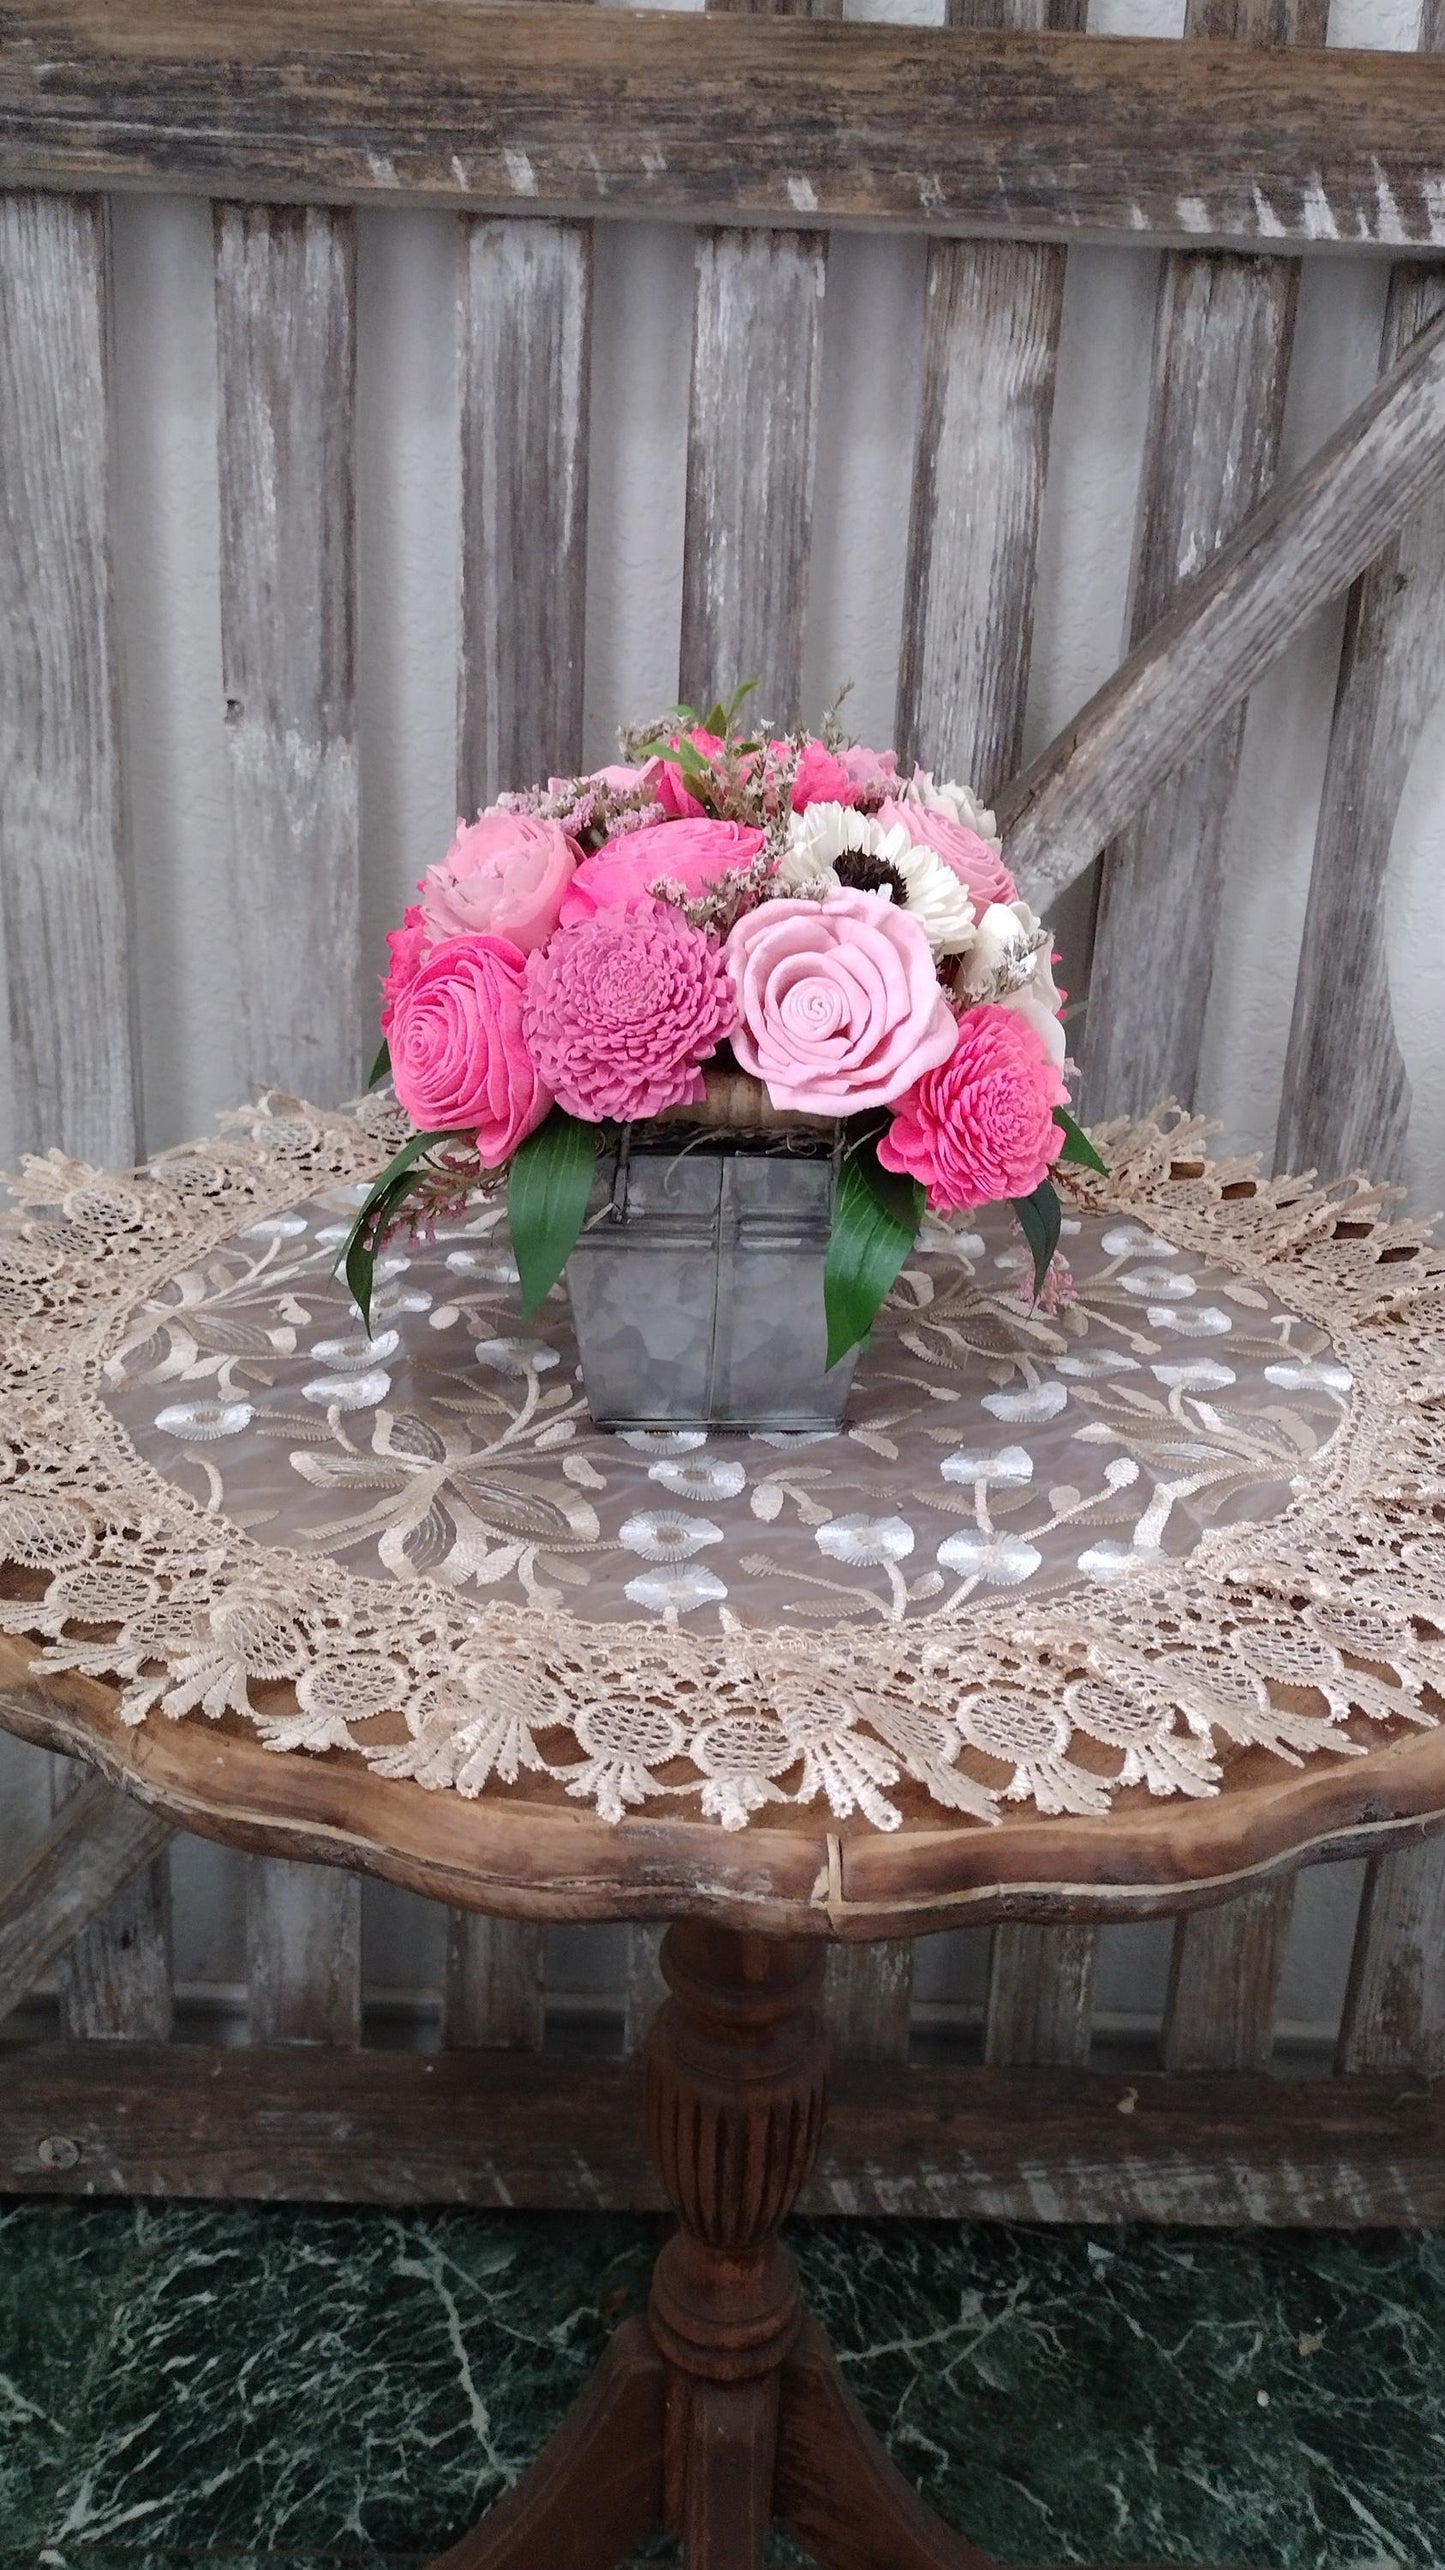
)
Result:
{"points": [[1194, 1510]]}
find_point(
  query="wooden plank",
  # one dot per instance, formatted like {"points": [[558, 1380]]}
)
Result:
{"points": [[1224, 1979], [97, 1844], [115, 1979], [303, 1954], [63, 906], [1394, 2016], [574, 110], [525, 322], [285, 329], [492, 1996], [1040, 2002], [752, 435], [1346, 1098], [531, 2130], [868, 2000], [1223, 335], [1303, 544], [991, 340], [643, 1989]]}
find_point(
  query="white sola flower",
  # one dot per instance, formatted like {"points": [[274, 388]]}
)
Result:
{"points": [[936, 896], [958, 801], [817, 838]]}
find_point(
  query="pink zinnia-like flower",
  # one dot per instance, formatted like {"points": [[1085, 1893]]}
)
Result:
{"points": [[973, 860], [406, 945], [503, 876], [622, 1010], [838, 1002], [692, 853], [458, 1055], [980, 1127]]}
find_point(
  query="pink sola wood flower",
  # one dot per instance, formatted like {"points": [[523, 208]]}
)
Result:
{"points": [[980, 1127], [974, 860], [838, 1002], [622, 1009], [406, 946], [458, 1055]]}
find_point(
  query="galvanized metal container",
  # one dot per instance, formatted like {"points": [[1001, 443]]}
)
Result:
{"points": [[697, 1289]]}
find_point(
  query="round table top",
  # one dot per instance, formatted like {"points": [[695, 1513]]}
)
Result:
{"points": [[1096, 1610]]}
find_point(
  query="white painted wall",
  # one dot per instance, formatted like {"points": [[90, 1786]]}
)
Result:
{"points": [[167, 524]]}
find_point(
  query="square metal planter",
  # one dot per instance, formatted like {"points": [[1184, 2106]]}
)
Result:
{"points": [[697, 1289]]}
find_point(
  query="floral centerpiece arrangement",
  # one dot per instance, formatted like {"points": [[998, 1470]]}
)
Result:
{"points": [[592, 954]]}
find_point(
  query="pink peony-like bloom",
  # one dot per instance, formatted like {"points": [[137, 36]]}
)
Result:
{"points": [[838, 1002], [981, 1126], [869, 771], [504, 875], [973, 860], [623, 1008], [692, 853], [822, 777], [406, 946], [458, 1054]]}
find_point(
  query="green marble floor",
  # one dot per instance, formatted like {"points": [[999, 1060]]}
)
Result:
{"points": [[181, 2384]]}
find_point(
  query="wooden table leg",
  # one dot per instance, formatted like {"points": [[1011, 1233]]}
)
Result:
{"points": [[723, 2411]]}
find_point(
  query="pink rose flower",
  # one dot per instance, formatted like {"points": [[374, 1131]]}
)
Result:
{"points": [[503, 876], [981, 1127], [406, 945], [623, 1008], [616, 775], [692, 853], [975, 863], [822, 777], [665, 777], [838, 1002], [869, 771], [458, 1054]]}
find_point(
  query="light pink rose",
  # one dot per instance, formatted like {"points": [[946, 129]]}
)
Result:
{"points": [[981, 1126], [624, 1008], [406, 945], [458, 1055], [869, 771], [692, 853], [838, 1002], [973, 860], [503, 876], [822, 777], [616, 775]]}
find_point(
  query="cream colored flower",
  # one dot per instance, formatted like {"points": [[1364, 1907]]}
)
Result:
{"points": [[1010, 962], [958, 801], [819, 836]]}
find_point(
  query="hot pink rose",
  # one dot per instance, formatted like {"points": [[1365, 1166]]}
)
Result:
{"points": [[622, 1010], [665, 776], [406, 945], [838, 1002], [458, 1055], [981, 1127], [692, 853], [503, 876], [822, 777], [975, 863]]}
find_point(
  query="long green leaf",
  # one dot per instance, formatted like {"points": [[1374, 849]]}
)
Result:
{"points": [[875, 1222], [1041, 1218], [381, 1067], [1077, 1145], [358, 1255], [548, 1186]]}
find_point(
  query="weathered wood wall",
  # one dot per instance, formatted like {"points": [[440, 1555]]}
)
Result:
{"points": [[1224, 153]]}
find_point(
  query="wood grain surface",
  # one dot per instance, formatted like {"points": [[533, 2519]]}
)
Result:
{"points": [[1394, 2017], [1222, 339], [492, 1994], [503, 2129], [525, 330], [1303, 545], [1224, 1976], [115, 1977], [580, 110], [1039, 2005], [527, 1852], [98, 1842], [286, 359], [63, 904]]}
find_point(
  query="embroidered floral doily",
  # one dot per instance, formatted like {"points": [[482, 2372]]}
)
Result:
{"points": [[1051, 1554]]}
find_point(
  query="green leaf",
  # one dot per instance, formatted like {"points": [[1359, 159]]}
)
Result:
{"points": [[1041, 1218], [358, 1256], [1077, 1145], [716, 719], [381, 1067], [690, 759], [875, 1221], [548, 1186], [738, 699]]}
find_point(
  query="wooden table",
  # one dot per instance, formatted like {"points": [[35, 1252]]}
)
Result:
{"points": [[723, 2410]]}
